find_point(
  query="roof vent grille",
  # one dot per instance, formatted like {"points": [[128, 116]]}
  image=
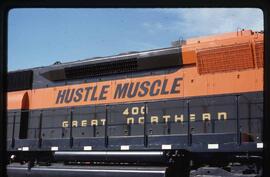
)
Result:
{"points": [[99, 69]]}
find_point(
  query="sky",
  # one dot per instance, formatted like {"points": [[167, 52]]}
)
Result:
{"points": [[40, 37]]}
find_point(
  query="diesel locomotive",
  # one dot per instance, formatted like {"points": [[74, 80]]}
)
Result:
{"points": [[195, 108]]}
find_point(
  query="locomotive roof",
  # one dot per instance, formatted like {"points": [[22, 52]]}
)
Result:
{"points": [[190, 43], [125, 55]]}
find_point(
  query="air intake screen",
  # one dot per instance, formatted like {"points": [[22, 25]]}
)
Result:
{"points": [[100, 69], [259, 53], [21, 80], [226, 58]]}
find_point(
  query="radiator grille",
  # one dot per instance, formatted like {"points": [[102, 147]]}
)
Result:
{"points": [[259, 54], [225, 58], [100, 69]]}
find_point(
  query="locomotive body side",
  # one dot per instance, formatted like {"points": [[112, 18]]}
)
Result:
{"points": [[205, 96]]}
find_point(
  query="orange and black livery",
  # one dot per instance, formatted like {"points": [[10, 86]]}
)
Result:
{"points": [[204, 95]]}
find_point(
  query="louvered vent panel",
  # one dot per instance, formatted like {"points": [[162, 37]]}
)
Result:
{"points": [[100, 69], [225, 58], [259, 53]]}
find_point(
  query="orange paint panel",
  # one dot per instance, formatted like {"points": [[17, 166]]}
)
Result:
{"points": [[242, 78], [224, 37], [210, 83], [46, 98], [192, 84], [15, 99], [188, 55], [259, 79], [235, 82]]}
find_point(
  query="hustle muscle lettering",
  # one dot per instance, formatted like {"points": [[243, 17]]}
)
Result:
{"points": [[119, 91]]}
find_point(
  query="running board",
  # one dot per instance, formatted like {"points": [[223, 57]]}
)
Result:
{"points": [[59, 170], [160, 157]]}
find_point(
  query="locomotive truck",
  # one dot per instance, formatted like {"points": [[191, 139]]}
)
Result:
{"points": [[195, 108]]}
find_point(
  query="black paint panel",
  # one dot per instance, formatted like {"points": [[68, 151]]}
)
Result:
{"points": [[147, 134], [213, 105], [20, 80]]}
